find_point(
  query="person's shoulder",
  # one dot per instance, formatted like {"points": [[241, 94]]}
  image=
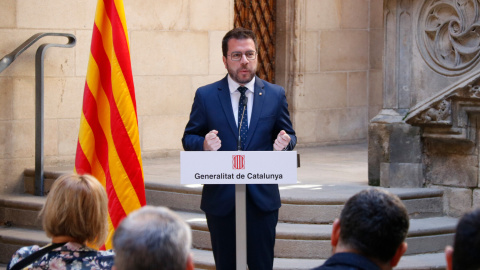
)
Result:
{"points": [[22, 253], [214, 85], [348, 261], [106, 253], [27, 250], [105, 258], [271, 86], [83, 250], [91, 258]]}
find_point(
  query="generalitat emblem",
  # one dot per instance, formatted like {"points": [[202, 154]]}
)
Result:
{"points": [[238, 162]]}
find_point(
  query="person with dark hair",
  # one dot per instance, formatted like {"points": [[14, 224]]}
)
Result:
{"points": [[370, 233], [240, 112], [153, 238], [466, 247]]}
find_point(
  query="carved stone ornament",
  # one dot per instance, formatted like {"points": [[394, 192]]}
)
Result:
{"points": [[439, 114], [448, 35], [448, 114]]}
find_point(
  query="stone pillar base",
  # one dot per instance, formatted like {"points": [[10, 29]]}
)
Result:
{"points": [[394, 152]]}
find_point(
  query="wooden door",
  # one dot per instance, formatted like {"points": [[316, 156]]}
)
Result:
{"points": [[259, 16]]}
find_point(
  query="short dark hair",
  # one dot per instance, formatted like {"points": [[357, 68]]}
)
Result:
{"points": [[374, 222], [238, 33], [466, 247]]}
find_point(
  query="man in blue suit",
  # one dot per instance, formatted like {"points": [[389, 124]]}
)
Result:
{"points": [[262, 111]]}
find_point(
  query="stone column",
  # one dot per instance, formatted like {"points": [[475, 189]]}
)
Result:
{"points": [[394, 153]]}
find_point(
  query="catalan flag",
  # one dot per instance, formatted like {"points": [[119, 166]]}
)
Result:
{"points": [[108, 141]]}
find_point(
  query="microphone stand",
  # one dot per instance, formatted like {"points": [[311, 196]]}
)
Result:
{"points": [[240, 210]]}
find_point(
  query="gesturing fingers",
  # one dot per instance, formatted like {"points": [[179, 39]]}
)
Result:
{"points": [[212, 142], [282, 140]]}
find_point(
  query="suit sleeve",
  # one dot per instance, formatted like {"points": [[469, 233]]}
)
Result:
{"points": [[197, 127], [284, 123]]}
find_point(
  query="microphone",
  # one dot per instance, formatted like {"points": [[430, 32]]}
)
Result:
{"points": [[239, 144]]}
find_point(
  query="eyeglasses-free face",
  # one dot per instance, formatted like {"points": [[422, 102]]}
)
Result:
{"points": [[237, 56]]}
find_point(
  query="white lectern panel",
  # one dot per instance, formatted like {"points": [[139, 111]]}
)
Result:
{"points": [[238, 167]]}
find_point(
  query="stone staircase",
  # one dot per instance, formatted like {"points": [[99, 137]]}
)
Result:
{"points": [[305, 218], [303, 233]]}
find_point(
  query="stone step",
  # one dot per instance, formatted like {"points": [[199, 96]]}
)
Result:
{"points": [[294, 240], [12, 239], [204, 260], [21, 210], [300, 203], [312, 241]]}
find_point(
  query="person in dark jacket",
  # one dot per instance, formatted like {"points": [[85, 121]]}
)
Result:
{"points": [[370, 233], [466, 247]]}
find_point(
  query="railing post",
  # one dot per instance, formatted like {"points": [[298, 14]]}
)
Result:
{"points": [[5, 62], [39, 108]]}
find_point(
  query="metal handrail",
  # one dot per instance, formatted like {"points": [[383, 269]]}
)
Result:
{"points": [[6, 61]]}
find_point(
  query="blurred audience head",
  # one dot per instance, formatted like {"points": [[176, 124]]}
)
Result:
{"points": [[77, 207], [465, 254], [153, 238], [373, 223]]}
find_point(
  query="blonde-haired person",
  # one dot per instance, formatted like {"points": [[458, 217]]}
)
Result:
{"points": [[75, 213]]}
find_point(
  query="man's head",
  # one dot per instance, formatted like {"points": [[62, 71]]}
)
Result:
{"points": [[153, 238], [373, 223], [239, 47], [466, 250]]}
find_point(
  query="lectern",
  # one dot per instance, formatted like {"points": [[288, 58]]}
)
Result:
{"points": [[239, 168]]}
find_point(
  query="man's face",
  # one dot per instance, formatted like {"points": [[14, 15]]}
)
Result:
{"points": [[241, 71]]}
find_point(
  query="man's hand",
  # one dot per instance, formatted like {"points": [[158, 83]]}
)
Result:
{"points": [[212, 142], [282, 140]]}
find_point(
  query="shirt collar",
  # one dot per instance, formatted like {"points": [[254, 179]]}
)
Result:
{"points": [[233, 85]]}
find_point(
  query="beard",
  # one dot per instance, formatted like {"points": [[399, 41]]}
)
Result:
{"points": [[239, 76]]}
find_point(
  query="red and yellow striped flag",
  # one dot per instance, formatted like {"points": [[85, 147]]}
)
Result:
{"points": [[108, 142]]}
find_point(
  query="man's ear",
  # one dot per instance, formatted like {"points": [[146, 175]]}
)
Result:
{"points": [[449, 257], [335, 232], [190, 264], [114, 267], [225, 61], [398, 254]]}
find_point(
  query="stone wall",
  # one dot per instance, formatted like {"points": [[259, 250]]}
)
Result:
{"points": [[175, 48], [427, 133], [339, 83], [329, 59]]}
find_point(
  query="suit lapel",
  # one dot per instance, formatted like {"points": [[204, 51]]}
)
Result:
{"points": [[226, 101], [257, 108]]}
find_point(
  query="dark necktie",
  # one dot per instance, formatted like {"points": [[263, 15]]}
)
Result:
{"points": [[242, 109]]}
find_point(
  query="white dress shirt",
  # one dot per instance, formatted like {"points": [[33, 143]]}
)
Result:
{"points": [[235, 97]]}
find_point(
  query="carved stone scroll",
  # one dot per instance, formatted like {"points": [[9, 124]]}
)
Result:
{"points": [[448, 35]]}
